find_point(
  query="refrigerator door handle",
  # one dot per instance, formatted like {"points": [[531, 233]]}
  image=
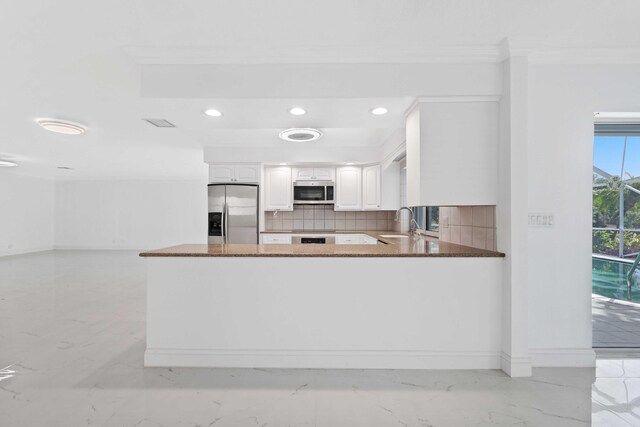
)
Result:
{"points": [[226, 223], [223, 222]]}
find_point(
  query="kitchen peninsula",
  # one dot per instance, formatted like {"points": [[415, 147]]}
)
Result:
{"points": [[412, 303]]}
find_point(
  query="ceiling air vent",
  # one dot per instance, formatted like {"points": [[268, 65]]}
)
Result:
{"points": [[300, 135], [161, 123]]}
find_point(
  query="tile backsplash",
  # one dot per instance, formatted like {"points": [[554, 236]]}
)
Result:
{"points": [[324, 218], [469, 225]]}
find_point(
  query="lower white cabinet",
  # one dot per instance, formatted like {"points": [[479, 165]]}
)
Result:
{"points": [[355, 239], [279, 239], [341, 239]]}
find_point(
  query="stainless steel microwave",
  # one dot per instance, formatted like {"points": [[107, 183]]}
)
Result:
{"points": [[313, 192]]}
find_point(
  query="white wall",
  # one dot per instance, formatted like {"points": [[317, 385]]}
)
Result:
{"points": [[562, 101], [130, 214], [26, 214], [452, 152]]}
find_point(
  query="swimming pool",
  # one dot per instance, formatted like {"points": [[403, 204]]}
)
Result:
{"points": [[609, 279]]}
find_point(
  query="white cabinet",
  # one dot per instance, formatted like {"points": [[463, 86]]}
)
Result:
{"points": [[278, 189], [371, 188], [246, 173], [276, 239], [355, 239], [348, 188], [347, 239], [313, 174]]}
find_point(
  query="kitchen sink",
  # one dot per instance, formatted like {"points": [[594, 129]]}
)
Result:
{"points": [[394, 236]]}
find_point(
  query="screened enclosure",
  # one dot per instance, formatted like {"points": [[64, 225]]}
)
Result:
{"points": [[616, 190]]}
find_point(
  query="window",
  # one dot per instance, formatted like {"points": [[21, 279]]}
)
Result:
{"points": [[616, 190], [427, 217]]}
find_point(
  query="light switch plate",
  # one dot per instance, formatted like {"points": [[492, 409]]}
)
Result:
{"points": [[541, 219]]}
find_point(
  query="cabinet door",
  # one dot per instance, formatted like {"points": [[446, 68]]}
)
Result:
{"points": [[247, 173], [221, 173], [323, 174], [304, 174], [348, 188], [371, 187], [278, 189]]}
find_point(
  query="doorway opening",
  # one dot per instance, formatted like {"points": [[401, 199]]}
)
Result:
{"points": [[616, 234]]}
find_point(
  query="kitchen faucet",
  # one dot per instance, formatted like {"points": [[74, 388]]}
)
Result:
{"points": [[413, 225]]}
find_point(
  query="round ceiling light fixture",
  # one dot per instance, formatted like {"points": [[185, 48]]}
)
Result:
{"points": [[378, 111], [297, 111], [212, 112], [7, 164], [300, 135], [62, 126]]}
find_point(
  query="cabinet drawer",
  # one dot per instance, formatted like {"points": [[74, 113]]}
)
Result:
{"points": [[348, 239], [283, 239]]}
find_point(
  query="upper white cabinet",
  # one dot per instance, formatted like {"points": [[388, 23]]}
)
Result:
{"points": [[348, 188], [246, 173], [313, 174], [452, 152], [371, 188], [278, 189]]}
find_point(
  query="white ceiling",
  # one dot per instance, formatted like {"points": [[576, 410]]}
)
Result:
{"points": [[82, 61]]}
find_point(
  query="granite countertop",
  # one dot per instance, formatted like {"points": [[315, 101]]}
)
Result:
{"points": [[395, 247]]}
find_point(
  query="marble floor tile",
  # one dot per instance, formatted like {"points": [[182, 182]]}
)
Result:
{"points": [[72, 337]]}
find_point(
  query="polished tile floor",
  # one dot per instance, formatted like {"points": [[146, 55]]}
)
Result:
{"points": [[615, 325], [72, 341]]}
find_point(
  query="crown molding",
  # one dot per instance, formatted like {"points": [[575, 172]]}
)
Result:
{"points": [[446, 99], [535, 50], [586, 56], [189, 55]]}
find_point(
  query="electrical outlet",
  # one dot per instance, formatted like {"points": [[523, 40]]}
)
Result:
{"points": [[539, 219]]}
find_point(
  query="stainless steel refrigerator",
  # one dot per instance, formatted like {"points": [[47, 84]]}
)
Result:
{"points": [[233, 213]]}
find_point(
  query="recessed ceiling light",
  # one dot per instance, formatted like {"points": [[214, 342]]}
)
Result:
{"points": [[378, 111], [7, 164], [61, 126], [298, 111], [213, 112], [283, 164], [350, 163], [300, 134]]}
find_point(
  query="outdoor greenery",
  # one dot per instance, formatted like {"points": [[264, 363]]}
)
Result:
{"points": [[606, 209]]}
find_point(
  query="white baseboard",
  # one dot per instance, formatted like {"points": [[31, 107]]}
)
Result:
{"points": [[154, 357], [563, 357], [515, 366], [24, 251]]}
